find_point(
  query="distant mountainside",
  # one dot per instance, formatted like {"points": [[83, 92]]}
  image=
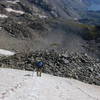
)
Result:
{"points": [[90, 1], [94, 1], [37, 24], [59, 8], [67, 9]]}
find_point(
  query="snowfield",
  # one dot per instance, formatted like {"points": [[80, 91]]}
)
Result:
{"points": [[4, 52], [13, 2], [15, 11], [3, 16], [25, 85]]}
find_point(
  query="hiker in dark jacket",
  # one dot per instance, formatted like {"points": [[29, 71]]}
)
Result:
{"points": [[39, 66]]}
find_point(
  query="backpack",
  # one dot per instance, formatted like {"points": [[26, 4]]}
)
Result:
{"points": [[39, 64]]}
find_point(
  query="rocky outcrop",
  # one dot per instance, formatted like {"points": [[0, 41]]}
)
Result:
{"points": [[15, 29], [73, 65]]}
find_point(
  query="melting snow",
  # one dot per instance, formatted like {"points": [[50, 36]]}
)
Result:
{"points": [[75, 19], [42, 16], [22, 85], [13, 2], [3, 16], [15, 11], [6, 52]]}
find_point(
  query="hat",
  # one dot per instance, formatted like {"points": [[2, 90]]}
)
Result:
{"points": [[38, 58]]}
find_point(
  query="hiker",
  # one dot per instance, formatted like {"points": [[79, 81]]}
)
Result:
{"points": [[39, 67]]}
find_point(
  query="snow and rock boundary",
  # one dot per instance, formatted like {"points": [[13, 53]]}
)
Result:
{"points": [[74, 65], [4, 52]]}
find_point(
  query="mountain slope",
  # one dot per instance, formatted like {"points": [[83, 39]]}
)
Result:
{"points": [[93, 1], [62, 8], [41, 24], [35, 24], [22, 85]]}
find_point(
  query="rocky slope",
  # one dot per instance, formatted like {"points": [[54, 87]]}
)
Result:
{"points": [[61, 8], [79, 66], [27, 25], [32, 24]]}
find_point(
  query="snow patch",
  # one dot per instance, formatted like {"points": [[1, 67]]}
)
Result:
{"points": [[15, 11], [3, 16], [6, 52], [13, 2], [76, 19], [25, 85], [42, 16]]}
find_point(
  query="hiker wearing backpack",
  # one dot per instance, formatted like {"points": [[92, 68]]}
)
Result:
{"points": [[39, 67]]}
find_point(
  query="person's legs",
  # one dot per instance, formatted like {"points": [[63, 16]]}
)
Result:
{"points": [[39, 71]]}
